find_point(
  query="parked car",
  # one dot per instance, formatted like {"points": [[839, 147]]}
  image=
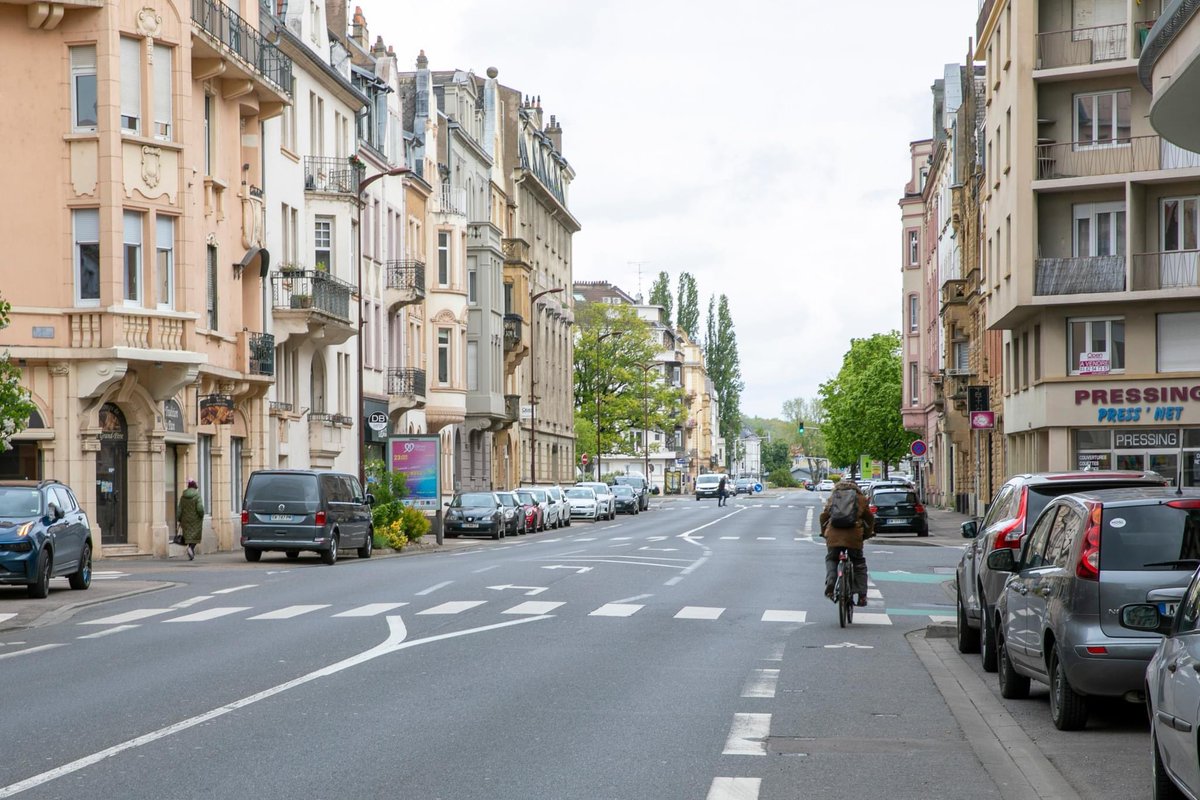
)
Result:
{"points": [[709, 484], [1172, 690], [743, 486], [897, 510], [475, 512], [604, 497], [535, 516], [640, 487], [564, 508], [626, 499], [825, 486], [1058, 620], [583, 503], [1014, 507], [514, 514], [294, 510], [901, 483], [550, 510], [810, 485], [43, 533]]}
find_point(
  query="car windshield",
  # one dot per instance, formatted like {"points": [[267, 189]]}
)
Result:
{"points": [[1149, 537], [622, 491], [581, 493], [636, 483], [474, 500], [526, 498], [539, 494], [19, 501], [599, 488], [506, 499], [893, 498], [279, 486]]}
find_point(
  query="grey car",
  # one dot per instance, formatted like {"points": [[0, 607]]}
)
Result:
{"points": [[295, 509], [1058, 619], [604, 498]]}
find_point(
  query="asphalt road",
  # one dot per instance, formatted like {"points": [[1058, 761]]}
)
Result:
{"points": [[686, 652]]}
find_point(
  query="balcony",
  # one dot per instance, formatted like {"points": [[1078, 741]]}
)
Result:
{"points": [[513, 324], [1093, 275], [1082, 46], [406, 389], [258, 351], [452, 200], [325, 434], [312, 303], [1173, 270], [229, 47], [512, 407], [332, 175], [405, 283], [954, 292], [1137, 154], [278, 408]]}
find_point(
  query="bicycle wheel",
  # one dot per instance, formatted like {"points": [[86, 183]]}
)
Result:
{"points": [[848, 593]]}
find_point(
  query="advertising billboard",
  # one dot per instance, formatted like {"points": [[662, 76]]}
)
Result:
{"points": [[418, 457]]}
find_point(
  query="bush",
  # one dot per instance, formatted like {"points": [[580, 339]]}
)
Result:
{"points": [[414, 524], [389, 489], [391, 536], [782, 477]]}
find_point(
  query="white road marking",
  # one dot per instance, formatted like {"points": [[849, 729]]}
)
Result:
{"points": [[776, 615], [862, 618], [129, 616], [370, 610], [697, 538], [748, 735], [586, 539], [761, 683], [533, 607], [635, 597], [699, 612], [616, 610], [530, 590], [849, 646], [734, 789], [673, 581], [734, 538], [289, 612], [191, 601], [874, 594], [485, 569], [453, 607], [766, 538], [621, 538], [434, 588], [661, 549], [28, 650], [808, 519], [233, 589], [655, 538], [7, 616], [776, 652], [775, 505], [207, 614], [942, 618], [108, 631]]}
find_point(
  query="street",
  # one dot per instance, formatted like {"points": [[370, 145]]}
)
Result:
{"points": [[686, 652]]}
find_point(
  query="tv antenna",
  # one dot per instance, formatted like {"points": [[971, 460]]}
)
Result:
{"points": [[638, 264]]}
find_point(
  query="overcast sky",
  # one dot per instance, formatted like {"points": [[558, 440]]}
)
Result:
{"points": [[761, 145]]}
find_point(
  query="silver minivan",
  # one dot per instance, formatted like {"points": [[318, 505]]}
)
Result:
{"points": [[1088, 554]]}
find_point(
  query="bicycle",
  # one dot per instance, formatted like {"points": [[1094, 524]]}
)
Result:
{"points": [[843, 589]]}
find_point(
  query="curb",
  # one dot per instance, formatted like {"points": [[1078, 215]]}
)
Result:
{"points": [[65, 612]]}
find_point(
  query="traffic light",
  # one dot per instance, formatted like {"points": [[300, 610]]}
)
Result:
{"points": [[800, 427]]}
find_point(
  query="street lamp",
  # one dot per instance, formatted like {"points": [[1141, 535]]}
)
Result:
{"points": [[532, 400], [645, 368], [600, 338], [362, 434]]}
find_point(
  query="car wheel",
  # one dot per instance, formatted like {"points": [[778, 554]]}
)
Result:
{"points": [[82, 577], [1068, 708], [1012, 685], [987, 640], [292, 555], [330, 556], [968, 637], [498, 533], [923, 532], [1163, 788], [40, 587], [253, 555], [368, 546]]}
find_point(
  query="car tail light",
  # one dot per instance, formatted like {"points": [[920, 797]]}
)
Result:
{"points": [[874, 508], [1088, 567], [1184, 503], [920, 509], [245, 517], [320, 520], [1097, 650], [1010, 535]]}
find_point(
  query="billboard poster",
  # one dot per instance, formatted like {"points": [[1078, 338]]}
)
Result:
{"points": [[418, 457]]}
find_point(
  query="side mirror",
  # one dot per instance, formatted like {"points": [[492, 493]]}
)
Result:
{"points": [[1002, 560], [970, 529], [1145, 617], [370, 499]]}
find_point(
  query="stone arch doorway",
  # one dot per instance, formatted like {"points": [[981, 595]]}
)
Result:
{"points": [[112, 479]]}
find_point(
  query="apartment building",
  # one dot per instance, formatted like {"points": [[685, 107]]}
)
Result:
{"points": [[1089, 253], [144, 342]]}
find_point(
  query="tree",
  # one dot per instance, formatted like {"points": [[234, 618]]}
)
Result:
{"points": [[725, 371], [811, 412], [15, 405], [775, 456], [862, 403], [688, 315], [660, 295]]}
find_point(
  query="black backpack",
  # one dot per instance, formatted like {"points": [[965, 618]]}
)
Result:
{"points": [[843, 508]]}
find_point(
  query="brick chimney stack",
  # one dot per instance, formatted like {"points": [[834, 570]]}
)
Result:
{"points": [[358, 29], [554, 131], [335, 17]]}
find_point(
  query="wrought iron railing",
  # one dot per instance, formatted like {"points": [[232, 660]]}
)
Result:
{"points": [[312, 289], [262, 353], [1053, 276], [1131, 154], [1171, 270], [512, 331], [338, 175], [406, 381], [407, 274], [321, 417], [1082, 46], [280, 407], [344, 420], [226, 26]]}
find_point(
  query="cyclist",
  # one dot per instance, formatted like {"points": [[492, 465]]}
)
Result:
{"points": [[839, 535]]}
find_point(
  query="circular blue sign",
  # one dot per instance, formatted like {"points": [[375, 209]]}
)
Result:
{"points": [[758, 487], [918, 448]]}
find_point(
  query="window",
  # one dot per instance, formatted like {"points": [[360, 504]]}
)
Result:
{"points": [[962, 358], [1102, 119], [472, 285], [163, 63], [210, 132], [211, 266], [914, 313], [323, 244], [1179, 223], [914, 248], [83, 88], [1099, 229], [235, 473], [86, 254], [508, 298], [131, 85], [164, 259], [287, 124], [1034, 554], [913, 376], [1024, 359], [133, 257], [1177, 335], [443, 355], [443, 258], [204, 469], [472, 366], [1037, 353], [1096, 336], [316, 124]]}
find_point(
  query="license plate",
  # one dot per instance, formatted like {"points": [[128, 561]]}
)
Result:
{"points": [[470, 524], [1167, 609], [281, 518], [896, 521]]}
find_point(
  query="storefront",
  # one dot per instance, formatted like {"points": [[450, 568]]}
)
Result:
{"points": [[1156, 449], [374, 429]]}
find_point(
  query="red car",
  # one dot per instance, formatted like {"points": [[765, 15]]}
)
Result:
{"points": [[534, 519]]}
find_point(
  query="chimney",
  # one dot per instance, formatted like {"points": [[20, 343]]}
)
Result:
{"points": [[377, 49], [335, 17], [422, 61], [554, 132], [358, 29]]}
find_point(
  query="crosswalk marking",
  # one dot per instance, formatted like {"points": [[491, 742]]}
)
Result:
{"points": [[233, 589], [108, 631], [699, 612], [616, 610], [370, 610], [734, 789], [761, 683], [874, 594], [129, 616], [867, 618], [784, 616], [453, 607], [210, 613], [748, 735], [533, 607], [289, 612], [434, 588], [7, 616], [191, 601]]}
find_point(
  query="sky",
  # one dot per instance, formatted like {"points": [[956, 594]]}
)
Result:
{"points": [[761, 145]]}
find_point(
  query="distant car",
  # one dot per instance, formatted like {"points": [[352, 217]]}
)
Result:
{"points": [[583, 503], [639, 486], [560, 499], [299, 509], [535, 517], [743, 486], [43, 533], [709, 484], [825, 486], [897, 510], [626, 499], [514, 514], [475, 512], [604, 497]]}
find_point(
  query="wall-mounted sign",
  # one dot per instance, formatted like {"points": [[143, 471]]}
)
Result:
{"points": [[983, 420], [216, 409], [979, 398], [378, 422], [173, 417], [1147, 439], [1094, 363]]}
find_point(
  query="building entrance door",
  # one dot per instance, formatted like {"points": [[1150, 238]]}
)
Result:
{"points": [[1165, 464], [112, 502]]}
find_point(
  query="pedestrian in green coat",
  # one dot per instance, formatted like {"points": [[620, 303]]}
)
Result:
{"points": [[190, 517]]}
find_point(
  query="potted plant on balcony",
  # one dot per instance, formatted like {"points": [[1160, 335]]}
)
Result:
{"points": [[301, 301]]}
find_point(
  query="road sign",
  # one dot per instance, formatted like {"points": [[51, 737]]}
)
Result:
{"points": [[983, 420], [583, 459], [918, 448]]}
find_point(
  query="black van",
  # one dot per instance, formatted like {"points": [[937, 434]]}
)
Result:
{"points": [[299, 509]]}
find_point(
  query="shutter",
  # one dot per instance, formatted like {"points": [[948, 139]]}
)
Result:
{"points": [[131, 84], [164, 232], [87, 225], [163, 58], [212, 287], [1176, 342]]}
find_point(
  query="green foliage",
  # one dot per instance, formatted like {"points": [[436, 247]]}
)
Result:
{"points": [[862, 403], [390, 490], [812, 413], [660, 295], [414, 524], [688, 315], [725, 371], [391, 537], [781, 476], [776, 456], [15, 405]]}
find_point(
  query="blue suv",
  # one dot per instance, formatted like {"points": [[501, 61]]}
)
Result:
{"points": [[43, 534]]}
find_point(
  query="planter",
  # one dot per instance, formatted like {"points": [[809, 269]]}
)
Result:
{"points": [[301, 301]]}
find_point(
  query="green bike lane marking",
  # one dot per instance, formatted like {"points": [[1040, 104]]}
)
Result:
{"points": [[901, 576]]}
